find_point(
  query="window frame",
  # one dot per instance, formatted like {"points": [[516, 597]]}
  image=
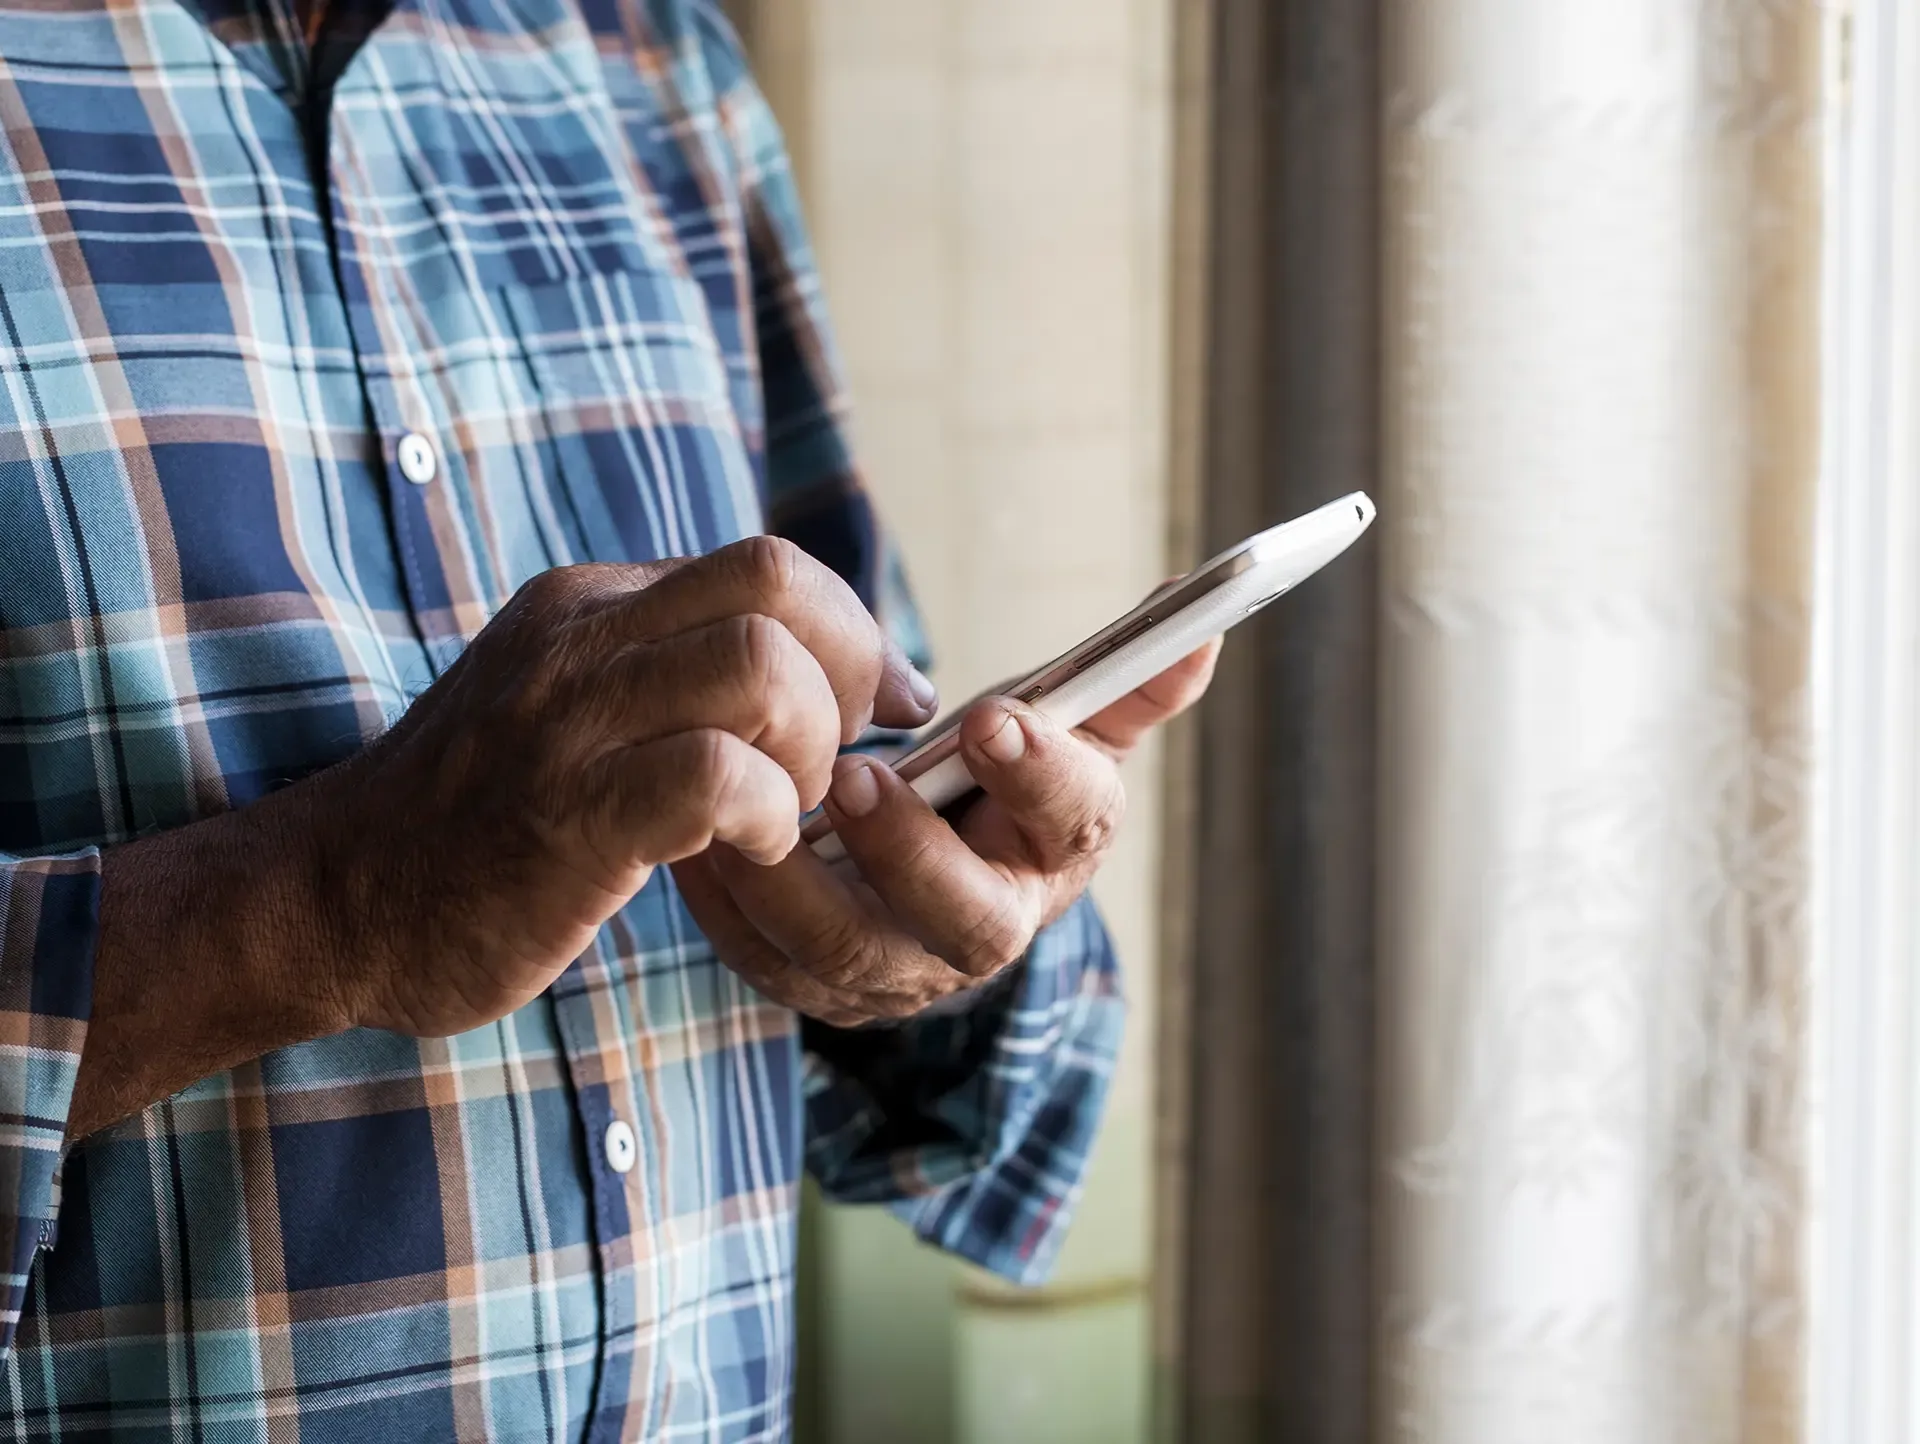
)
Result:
{"points": [[1863, 1238]]}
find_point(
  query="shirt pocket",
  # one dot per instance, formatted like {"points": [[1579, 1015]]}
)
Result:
{"points": [[615, 398]]}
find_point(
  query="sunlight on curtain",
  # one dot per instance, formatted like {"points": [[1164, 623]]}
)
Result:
{"points": [[1603, 240]]}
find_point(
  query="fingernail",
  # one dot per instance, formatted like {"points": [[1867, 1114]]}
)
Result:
{"points": [[856, 791], [924, 692], [1007, 742]]}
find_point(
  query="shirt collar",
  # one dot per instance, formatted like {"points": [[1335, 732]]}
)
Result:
{"points": [[298, 47]]}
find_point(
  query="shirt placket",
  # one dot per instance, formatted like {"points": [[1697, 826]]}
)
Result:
{"points": [[448, 594], [450, 590], [587, 1011]]}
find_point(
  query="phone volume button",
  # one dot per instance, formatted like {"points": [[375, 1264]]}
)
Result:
{"points": [[1113, 644]]}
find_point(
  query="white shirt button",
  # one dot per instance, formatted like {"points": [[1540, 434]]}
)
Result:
{"points": [[417, 461], [619, 1146]]}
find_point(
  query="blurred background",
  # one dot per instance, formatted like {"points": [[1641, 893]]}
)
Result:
{"points": [[1522, 940]]}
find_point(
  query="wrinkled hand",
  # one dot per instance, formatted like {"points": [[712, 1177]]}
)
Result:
{"points": [[611, 719], [937, 906]]}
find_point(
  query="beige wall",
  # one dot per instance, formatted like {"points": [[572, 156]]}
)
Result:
{"points": [[987, 182]]}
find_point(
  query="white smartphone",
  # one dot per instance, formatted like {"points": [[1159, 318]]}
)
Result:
{"points": [[1178, 619]]}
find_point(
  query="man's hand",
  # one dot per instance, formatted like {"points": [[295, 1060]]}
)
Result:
{"points": [[938, 906], [610, 720]]}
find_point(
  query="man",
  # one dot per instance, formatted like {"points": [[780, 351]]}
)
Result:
{"points": [[401, 926]]}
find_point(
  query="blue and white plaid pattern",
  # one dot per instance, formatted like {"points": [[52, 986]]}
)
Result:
{"points": [[558, 239]]}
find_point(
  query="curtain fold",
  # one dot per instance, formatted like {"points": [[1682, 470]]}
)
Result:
{"points": [[1492, 1119], [1601, 321]]}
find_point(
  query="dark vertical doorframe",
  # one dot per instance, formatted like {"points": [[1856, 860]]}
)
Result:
{"points": [[1273, 987]]}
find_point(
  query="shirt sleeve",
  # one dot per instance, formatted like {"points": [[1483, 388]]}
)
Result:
{"points": [[973, 1125], [49, 910]]}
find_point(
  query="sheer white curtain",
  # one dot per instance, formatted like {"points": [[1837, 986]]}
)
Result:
{"points": [[1603, 233]]}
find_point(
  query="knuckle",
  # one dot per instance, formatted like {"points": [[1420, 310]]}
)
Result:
{"points": [[1091, 839], [767, 666], [771, 566], [1076, 810], [763, 650], [545, 589], [546, 605], [923, 855], [1093, 835], [713, 767], [993, 940], [564, 590], [835, 950]]}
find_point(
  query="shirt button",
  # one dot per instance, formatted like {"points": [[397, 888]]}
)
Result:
{"points": [[417, 462], [619, 1145]]}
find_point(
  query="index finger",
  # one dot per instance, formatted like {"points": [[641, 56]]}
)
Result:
{"points": [[942, 901], [1120, 726], [872, 679]]}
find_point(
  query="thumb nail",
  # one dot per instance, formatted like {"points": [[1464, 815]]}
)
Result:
{"points": [[924, 692], [1007, 742]]}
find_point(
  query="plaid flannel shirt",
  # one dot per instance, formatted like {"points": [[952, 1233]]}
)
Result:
{"points": [[556, 243]]}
